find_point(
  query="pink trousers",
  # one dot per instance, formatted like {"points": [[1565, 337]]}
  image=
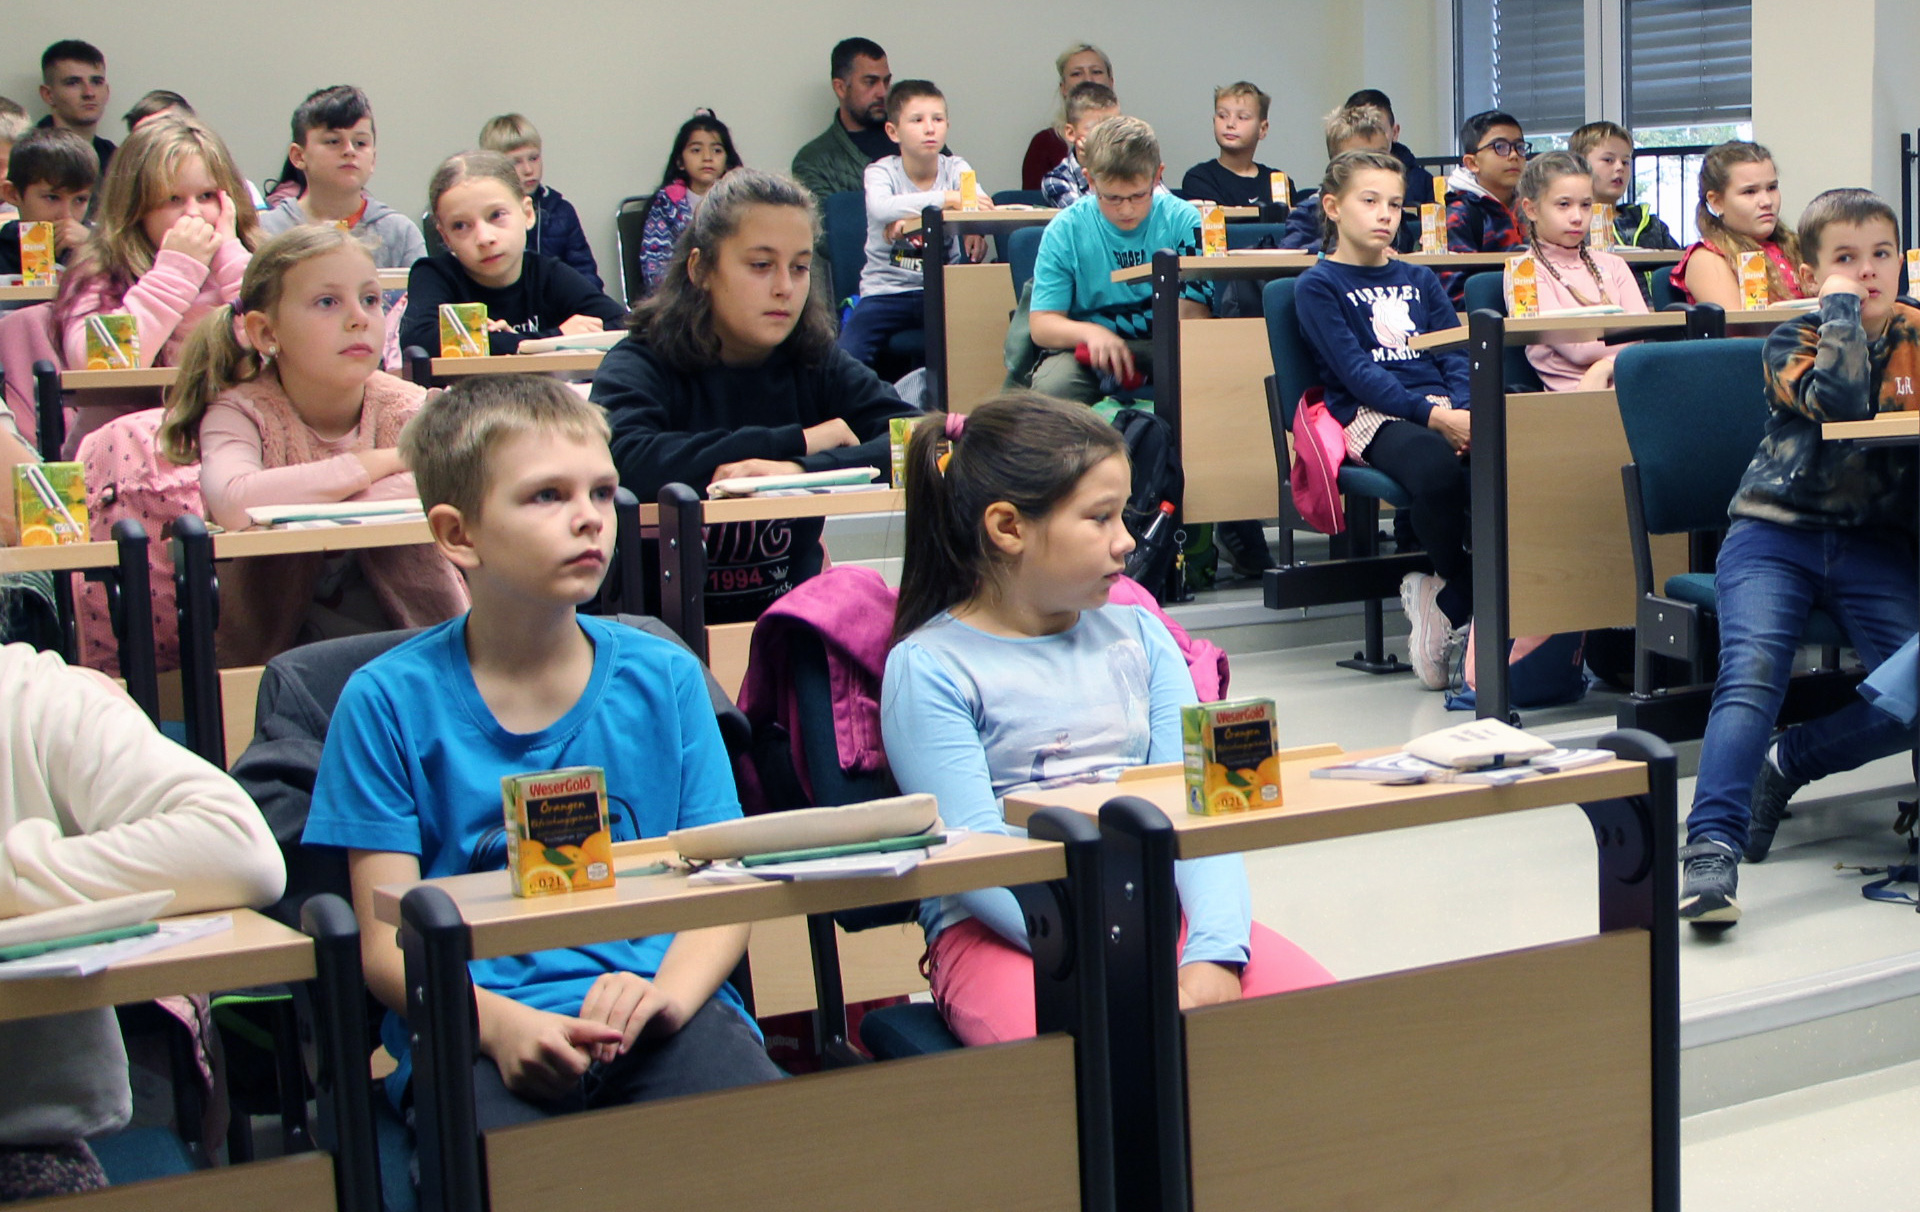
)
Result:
{"points": [[984, 984]]}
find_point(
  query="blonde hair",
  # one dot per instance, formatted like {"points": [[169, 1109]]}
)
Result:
{"points": [[1716, 173], [477, 164], [138, 179], [1122, 147], [448, 442], [1244, 88], [213, 359], [1060, 71], [1593, 134], [1356, 122], [14, 122], [509, 133]]}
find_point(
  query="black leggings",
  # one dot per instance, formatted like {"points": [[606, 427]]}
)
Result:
{"points": [[1420, 461]]}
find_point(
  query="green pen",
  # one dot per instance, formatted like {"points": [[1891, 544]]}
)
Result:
{"points": [[883, 846], [29, 950]]}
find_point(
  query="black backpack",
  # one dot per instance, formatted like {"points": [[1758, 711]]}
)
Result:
{"points": [[1157, 478]]}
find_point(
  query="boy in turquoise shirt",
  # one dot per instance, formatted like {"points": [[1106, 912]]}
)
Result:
{"points": [[1091, 327], [518, 483]]}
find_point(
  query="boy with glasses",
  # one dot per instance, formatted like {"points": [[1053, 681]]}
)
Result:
{"points": [[1480, 218]]}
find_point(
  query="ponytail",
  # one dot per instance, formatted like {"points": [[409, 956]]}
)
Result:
{"points": [[1027, 450], [212, 361]]}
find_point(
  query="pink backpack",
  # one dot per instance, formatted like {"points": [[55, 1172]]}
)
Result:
{"points": [[127, 477], [1319, 447]]}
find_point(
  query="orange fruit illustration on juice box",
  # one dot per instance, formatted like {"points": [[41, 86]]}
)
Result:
{"points": [[1231, 761], [1754, 293], [558, 835], [1213, 232], [1523, 275]]}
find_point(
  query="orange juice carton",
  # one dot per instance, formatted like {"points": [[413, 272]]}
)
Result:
{"points": [[1600, 235], [1913, 270], [1753, 281], [969, 191], [1279, 189], [1523, 275], [50, 504], [1231, 757], [1433, 228], [1213, 232], [463, 330], [1440, 192], [36, 254], [557, 834], [113, 342]]}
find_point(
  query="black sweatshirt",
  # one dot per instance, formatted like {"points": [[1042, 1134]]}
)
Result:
{"points": [[672, 426], [548, 292]]}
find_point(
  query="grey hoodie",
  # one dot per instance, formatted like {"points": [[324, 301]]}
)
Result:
{"points": [[396, 239]]}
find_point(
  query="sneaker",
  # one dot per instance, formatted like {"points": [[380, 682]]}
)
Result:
{"points": [[1427, 642], [1713, 875], [1771, 791]]}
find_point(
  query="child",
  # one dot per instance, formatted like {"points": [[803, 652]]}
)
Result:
{"points": [[1076, 303], [1817, 524], [898, 188], [702, 153], [13, 127], [519, 487], [732, 371], [484, 215], [1608, 148], [154, 103], [1011, 670], [333, 153], [73, 87], [286, 405], [1405, 410], [169, 246], [1739, 211], [1556, 201], [95, 804], [1235, 178], [557, 232], [50, 179], [1480, 191], [1088, 105], [1353, 128], [1419, 181]]}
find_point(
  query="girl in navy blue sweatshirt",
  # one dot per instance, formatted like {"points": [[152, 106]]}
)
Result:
{"points": [[1405, 410]]}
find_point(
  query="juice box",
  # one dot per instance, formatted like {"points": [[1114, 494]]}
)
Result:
{"points": [[1913, 271], [1600, 235], [969, 191], [557, 834], [1231, 757], [1433, 228], [50, 504], [1440, 193], [113, 342], [1753, 281], [1213, 232], [1523, 275], [899, 433], [1279, 189], [36, 254], [463, 330]]}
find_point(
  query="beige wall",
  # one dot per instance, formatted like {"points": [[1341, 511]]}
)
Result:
{"points": [[609, 81]]}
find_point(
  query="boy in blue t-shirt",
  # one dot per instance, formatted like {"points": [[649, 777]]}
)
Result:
{"points": [[1092, 327], [518, 484]]}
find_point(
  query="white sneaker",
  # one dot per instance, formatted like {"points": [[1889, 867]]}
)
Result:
{"points": [[1427, 642]]}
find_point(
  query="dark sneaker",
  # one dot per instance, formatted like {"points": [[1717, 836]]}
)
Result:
{"points": [[1713, 874], [1771, 791]]}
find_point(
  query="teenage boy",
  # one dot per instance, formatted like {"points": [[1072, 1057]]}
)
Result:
{"points": [[1817, 524], [556, 229], [50, 179], [1088, 105], [1092, 327], [1350, 128], [1480, 189], [1608, 148], [1235, 178], [518, 484], [856, 135], [334, 148], [892, 285], [73, 86], [1419, 180]]}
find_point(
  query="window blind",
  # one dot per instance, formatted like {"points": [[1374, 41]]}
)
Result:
{"points": [[1527, 57], [1688, 62]]}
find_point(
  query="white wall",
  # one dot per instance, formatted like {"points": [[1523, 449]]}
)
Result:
{"points": [[609, 81]]}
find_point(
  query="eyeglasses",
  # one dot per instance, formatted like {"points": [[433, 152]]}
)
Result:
{"points": [[1505, 147], [1124, 199]]}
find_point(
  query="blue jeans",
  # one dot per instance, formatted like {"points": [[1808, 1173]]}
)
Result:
{"points": [[877, 317], [1770, 578]]}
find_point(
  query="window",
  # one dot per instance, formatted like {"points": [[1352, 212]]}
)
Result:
{"points": [[1687, 63], [1527, 57]]}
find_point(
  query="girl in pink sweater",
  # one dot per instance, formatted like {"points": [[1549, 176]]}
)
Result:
{"points": [[281, 399], [1556, 203], [169, 247]]}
